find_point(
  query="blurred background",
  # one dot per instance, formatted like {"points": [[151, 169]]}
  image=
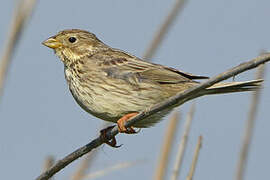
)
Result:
{"points": [[39, 117]]}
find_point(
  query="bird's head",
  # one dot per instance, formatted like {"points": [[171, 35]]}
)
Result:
{"points": [[72, 45]]}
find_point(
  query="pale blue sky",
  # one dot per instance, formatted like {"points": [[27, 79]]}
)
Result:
{"points": [[39, 117]]}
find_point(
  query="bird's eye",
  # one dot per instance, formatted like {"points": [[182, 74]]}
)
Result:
{"points": [[72, 39]]}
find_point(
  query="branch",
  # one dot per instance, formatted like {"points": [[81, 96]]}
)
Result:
{"points": [[242, 161], [179, 99]]}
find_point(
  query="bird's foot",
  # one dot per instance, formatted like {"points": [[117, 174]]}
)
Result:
{"points": [[111, 142], [121, 128], [121, 124]]}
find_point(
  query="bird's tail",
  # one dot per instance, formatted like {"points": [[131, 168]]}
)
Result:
{"points": [[229, 87]]}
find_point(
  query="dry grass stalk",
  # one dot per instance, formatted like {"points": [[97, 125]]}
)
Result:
{"points": [[162, 31], [87, 161], [110, 169], [249, 128], [21, 14], [166, 147], [183, 143], [195, 159], [84, 166], [48, 162]]}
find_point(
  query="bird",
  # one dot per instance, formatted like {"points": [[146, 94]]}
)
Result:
{"points": [[115, 86]]}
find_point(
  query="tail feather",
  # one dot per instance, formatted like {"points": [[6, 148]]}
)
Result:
{"points": [[229, 87]]}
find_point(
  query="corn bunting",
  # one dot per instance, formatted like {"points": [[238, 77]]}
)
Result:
{"points": [[114, 85]]}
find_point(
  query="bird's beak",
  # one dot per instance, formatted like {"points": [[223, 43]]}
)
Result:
{"points": [[52, 43]]}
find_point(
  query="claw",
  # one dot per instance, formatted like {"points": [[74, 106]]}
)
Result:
{"points": [[111, 142]]}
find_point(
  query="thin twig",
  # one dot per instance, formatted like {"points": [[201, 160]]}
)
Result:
{"points": [[182, 145], [105, 171], [179, 99], [166, 147], [159, 36], [195, 159], [21, 14], [249, 128]]}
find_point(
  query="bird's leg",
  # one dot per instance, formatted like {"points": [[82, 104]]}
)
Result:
{"points": [[121, 124], [111, 142]]}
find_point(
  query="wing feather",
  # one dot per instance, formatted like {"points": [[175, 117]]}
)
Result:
{"points": [[122, 65]]}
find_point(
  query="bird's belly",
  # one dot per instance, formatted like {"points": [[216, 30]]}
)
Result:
{"points": [[110, 102]]}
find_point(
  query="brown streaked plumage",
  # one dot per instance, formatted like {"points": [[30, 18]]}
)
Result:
{"points": [[110, 83]]}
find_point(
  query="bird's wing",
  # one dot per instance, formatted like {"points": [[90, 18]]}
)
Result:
{"points": [[119, 64]]}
